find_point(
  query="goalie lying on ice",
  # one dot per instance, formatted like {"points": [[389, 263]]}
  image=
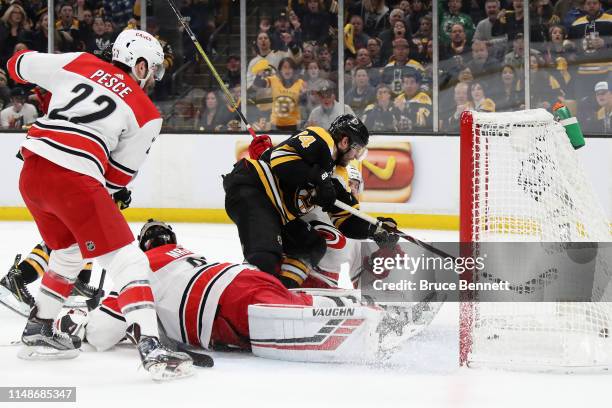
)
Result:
{"points": [[212, 304]]}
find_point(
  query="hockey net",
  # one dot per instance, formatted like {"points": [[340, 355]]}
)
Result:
{"points": [[521, 180]]}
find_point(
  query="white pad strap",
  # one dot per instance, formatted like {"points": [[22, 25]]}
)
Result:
{"points": [[314, 334]]}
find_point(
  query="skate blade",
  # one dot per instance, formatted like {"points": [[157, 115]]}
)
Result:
{"points": [[75, 302], [161, 372], [45, 353], [9, 300]]}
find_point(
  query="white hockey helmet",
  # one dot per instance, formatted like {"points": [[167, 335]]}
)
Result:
{"points": [[131, 45], [355, 174]]}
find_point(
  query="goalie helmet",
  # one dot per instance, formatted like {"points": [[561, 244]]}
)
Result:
{"points": [[351, 126], [155, 233], [131, 45]]}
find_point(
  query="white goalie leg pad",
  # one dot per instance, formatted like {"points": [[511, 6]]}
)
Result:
{"points": [[323, 333]]}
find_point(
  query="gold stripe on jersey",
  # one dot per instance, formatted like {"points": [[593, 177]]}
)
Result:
{"points": [[39, 270], [271, 187], [294, 269], [281, 155]]}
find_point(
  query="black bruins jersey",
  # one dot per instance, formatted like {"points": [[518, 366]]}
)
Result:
{"points": [[284, 170]]}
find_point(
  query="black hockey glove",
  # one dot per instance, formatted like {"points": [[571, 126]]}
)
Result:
{"points": [[380, 234], [325, 192], [123, 198]]}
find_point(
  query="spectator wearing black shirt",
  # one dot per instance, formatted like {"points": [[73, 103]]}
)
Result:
{"points": [[374, 50], [374, 13], [315, 21], [458, 46], [506, 92], [399, 30], [510, 22], [363, 60], [601, 120], [481, 64], [399, 66], [14, 27], [68, 28], [360, 39], [381, 116], [99, 40], [362, 93], [232, 73], [423, 35], [418, 11]]}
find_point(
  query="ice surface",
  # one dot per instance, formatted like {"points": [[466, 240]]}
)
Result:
{"points": [[424, 373]]}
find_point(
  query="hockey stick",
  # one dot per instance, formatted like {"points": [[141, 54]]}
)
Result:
{"points": [[200, 359], [198, 46], [95, 301], [379, 223]]}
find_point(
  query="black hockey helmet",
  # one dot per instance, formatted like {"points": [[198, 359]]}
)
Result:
{"points": [[155, 233], [350, 126]]}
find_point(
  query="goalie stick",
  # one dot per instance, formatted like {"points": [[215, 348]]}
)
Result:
{"points": [[378, 223], [200, 359]]}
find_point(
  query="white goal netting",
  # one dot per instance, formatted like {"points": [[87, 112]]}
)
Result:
{"points": [[521, 180]]}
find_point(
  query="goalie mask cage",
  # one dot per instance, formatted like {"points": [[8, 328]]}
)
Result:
{"points": [[521, 180]]}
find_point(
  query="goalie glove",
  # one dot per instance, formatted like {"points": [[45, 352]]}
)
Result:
{"points": [[123, 198], [382, 233]]}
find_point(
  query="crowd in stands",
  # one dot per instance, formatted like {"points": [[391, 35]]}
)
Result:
{"points": [[292, 68]]}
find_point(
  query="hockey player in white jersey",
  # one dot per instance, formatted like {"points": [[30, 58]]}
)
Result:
{"points": [[211, 304], [98, 130]]}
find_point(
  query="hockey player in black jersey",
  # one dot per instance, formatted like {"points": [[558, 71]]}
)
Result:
{"points": [[266, 197]]}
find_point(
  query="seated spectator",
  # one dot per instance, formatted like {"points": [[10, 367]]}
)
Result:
{"points": [[484, 30], [592, 33], [68, 27], [507, 93], [516, 56], [5, 91], [451, 121], [99, 40], [397, 31], [315, 21], [387, 36], [601, 121], [423, 36], [287, 95], [362, 93], [212, 118], [312, 78], [374, 14], [308, 55], [381, 116], [14, 27], [544, 89], [541, 17], [324, 57], [481, 64], [559, 46], [399, 66], [452, 17], [414, 106], [458, 45], [374, 51], [360, 38], [510, 22], [363, 61], [231, 78], [19, 113], [329, 109], [478, 99], [264, 51], [284, 36], [418, 11]]}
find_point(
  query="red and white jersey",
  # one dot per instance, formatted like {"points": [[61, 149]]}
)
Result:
{"points": [[186, 289], [99, 122]]}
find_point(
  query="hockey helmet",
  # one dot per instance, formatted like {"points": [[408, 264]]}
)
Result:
{"points": [[155, 233], [351, 126], [132, 45]]}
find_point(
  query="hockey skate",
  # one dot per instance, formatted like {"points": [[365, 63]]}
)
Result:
{"points": [[42, 342], [84, 295], [162, 363], [14, 293]]}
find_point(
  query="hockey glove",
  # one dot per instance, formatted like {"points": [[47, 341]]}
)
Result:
{"points": [[259, 145], [381, 233], [325, 192], [123, 198]]}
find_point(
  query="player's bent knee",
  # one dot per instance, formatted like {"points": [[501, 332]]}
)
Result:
{"points": [[103, 331], [125, 265], [66, 262], [265, 261]]}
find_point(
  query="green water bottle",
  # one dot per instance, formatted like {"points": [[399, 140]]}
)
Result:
{"points": [[570, 123]]}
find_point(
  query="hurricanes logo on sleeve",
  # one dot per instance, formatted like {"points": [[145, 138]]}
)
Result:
{"points": [[90, 245]]}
